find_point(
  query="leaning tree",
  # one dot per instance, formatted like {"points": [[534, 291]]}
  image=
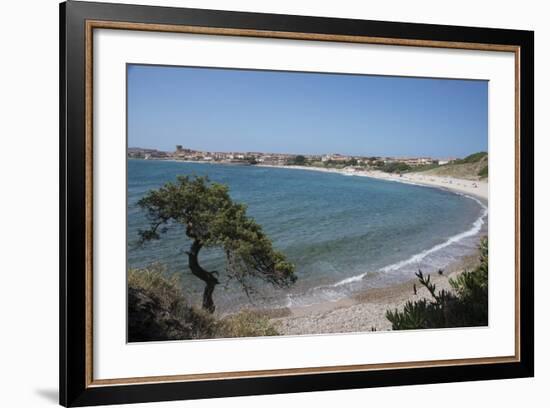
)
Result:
{"points": [[211, 219]]}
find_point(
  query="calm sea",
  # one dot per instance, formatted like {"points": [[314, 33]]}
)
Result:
{"points": [[343, 233]]}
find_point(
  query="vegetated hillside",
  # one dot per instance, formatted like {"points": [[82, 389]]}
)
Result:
{"points": [[472, 167], [157, 311]]}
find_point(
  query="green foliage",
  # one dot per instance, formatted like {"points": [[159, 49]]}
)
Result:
{"points": [[426, 167], [484, 172], [298, 160], [415, 315], [424, 314], [473, 286], [466, 307], [317, 163], [211, 219], [395, 167], [473, 158], [335, 164], [339, 164]]}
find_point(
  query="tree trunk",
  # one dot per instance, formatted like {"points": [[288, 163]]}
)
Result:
{"points": [[209, 278]]}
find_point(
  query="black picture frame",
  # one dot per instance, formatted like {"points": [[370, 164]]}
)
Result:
{"points": [[75, 390]]}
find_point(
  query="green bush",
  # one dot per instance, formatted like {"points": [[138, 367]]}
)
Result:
{"points": [[426, 167], [466, 307], [395, 167], [297, 161], [484, 172]]}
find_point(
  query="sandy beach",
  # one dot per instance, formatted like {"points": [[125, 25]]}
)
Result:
{"points": [[366, 311], [477, 189]]}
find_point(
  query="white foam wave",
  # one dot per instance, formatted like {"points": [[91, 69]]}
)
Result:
{"points": [[475, 228], [351, 279]]}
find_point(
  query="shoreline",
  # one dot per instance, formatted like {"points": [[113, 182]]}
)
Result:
{"points": [[478, 189], [364, 311]]}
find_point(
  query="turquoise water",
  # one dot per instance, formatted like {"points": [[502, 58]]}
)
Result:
{"points": [[343, 233]]}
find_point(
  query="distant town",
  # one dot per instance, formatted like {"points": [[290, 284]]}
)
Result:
{"points": [[391, 164]]}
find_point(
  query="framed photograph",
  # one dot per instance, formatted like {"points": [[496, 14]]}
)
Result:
{"points": [[256, 204]]}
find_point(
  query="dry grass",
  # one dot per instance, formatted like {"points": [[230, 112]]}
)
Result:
{"points": [[154, 281], [466, 171], [246, 323], [199, 324]]}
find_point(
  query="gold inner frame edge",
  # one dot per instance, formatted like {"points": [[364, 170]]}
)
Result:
{"points": [[119, 25]]}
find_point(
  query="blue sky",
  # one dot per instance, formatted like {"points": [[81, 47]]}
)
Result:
{"points": [[309, 113]]}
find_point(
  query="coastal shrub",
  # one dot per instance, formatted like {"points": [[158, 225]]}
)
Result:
{"points": [[426, 167], [484, 172], [297, 161], [466, 306], [333, 164], [158, 310], [395, 167]]}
